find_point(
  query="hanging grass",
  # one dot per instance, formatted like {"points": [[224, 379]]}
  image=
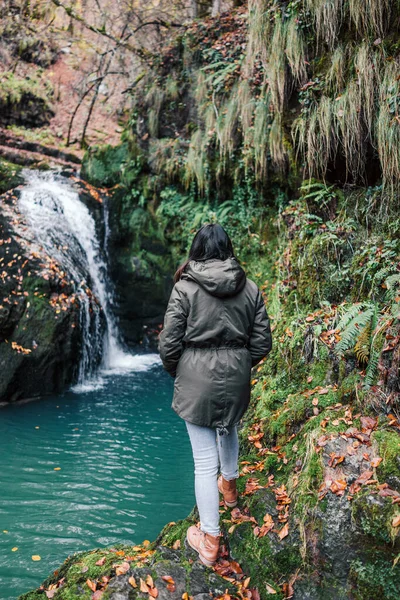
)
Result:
{"points": [[246, 104], [171, 88], [165, 157], [388, 124], [277, 66], [201, 90], [229, 121], [262, 119], [259, 37], [295, 51], [370, 16], [195, 167], [154, 99], [327, 17], [351, 130], [336, 74], [367, 66], [276, 144]]}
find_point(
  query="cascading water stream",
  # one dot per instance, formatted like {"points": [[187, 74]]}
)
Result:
{"points": [[64, 227]]}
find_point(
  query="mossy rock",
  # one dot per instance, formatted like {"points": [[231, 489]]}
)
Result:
{"points": [[374, 515], [25, 101], [388, 471], [101, 166], [10, 176]]}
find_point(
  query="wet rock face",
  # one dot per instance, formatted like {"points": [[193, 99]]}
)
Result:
{"points": [[141, 269]]}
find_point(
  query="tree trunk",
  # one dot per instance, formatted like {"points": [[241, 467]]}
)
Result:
{"points": [[193, 9], [216, 8]]}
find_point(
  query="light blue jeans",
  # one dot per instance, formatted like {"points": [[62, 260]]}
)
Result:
{"points": [[212, 452]]}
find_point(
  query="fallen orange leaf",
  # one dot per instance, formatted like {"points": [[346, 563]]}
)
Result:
{"points": [[270, 589], [282, 533], [132, 581], [143, 587], [91, 584], [122, 569], [101, 561], [396, 521]]}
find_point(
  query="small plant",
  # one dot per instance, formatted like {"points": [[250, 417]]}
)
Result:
{"points": [[319, 193], [363, 328]]}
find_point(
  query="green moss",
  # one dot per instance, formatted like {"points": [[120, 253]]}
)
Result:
{"points": [[9, 176], [389, 450], [14, 88], [102, 166], [348, 387], [375, 578], [173, 532], [374, 515], [262, 560]]}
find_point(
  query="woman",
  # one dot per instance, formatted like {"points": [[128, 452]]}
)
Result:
{"points": [[216, 328]]}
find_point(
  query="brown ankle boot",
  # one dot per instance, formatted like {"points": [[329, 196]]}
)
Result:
{"points": [[228, 490], [206, 545]]}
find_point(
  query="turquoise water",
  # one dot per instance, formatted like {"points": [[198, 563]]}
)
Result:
{"points": [[125, 470]]}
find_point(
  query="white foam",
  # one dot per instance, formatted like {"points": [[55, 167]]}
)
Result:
{"points": [[121, 362], [90, 385]]}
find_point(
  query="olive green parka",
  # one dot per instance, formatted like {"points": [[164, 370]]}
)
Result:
{"points": [[216, 329]]}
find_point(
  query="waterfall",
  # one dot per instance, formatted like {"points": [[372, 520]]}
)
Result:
{"points": [[63, 225]]}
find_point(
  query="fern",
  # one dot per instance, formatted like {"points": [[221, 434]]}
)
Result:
{"points": [[351, 333], [350, 314], [372, 366], [317, 192], [384, 273], [362, 348], [392, 284]]}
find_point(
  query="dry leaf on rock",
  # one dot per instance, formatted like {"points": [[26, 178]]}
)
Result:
{"points": [[122, 569], [282, 533], [153, 592]]}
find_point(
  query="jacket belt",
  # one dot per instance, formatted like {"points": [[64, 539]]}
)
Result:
{"points": [[205, 345]]}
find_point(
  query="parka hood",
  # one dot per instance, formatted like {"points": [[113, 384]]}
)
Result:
{"points": [[220, 278]]}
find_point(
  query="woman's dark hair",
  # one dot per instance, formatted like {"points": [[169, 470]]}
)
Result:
{"points": [[211, 241]]}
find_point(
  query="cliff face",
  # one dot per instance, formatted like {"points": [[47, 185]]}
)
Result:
{"points": [[282, 124]]}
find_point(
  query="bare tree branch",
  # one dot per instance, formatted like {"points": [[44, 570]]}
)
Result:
{"points": [[100, 31]]}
